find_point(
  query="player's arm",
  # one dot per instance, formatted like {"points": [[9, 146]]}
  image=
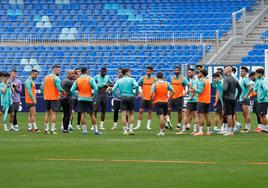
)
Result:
{"points": [[153, 91], [217, 98], [193, 91], [94, 86], [170, 88], [239, 89], [57, 83], [200, 88], [28, 86], [185, 82], [73, 89], [249, 84], [114, 90], [136, 86], [140, 81]]}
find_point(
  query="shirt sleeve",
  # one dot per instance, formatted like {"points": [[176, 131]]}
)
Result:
{"points": [[140, 82], [248, 82], [73, 89], [94, 86], [109, 80], [153, 88], [28, 86], [170, 88], [135, 84], [57, 83], [115, 88], [19, 88], [200, 87], [185, 82]]}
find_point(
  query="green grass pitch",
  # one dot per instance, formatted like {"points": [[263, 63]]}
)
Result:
{"points": [[115, 161]]}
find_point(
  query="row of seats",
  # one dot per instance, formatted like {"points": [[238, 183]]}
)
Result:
{"points": [[163, 57], [126, 16], [256, 55]]}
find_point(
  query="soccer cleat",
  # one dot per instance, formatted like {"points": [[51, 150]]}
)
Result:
{"points": [[78, 128], [92, 128], [264, 131], [137, 127], [131, 133], [125, 133], [85, 133], [16, 127], [113, 128], [54, 132], [168, 125], [178, 128], [6, 129], [148, 127], [65, 131], [47, 132], [13, 129], [35, 130], [187, 128], [97, 133], [229, 134], [181, 133], [237, 128], [258, 130], [161, 134], [199, 134], [71, 129], [209, 133], [102, 128], [245, 131], [30, 130], [194, 132]]}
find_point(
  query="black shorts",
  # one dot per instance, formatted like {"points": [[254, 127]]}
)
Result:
{"points": [[255, 106], [176, 104], [30, 105], [245, 102], [85, 106], [161, 108], [229, 107], [262, 108], [53, 105], [218, 107], [146, 104], [101, 100], [203, 108], [75, 105], [127, 103], [192, 106], [116, 105], [16, 106], [11, 109]]}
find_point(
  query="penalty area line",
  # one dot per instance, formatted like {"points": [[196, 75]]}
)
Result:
{"points": [[129, 161]]}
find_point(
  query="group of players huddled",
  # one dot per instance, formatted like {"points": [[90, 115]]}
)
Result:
{"points": [[83, 94]]}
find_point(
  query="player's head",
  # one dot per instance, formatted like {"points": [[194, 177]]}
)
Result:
{"points": [[177, 70], [243, 71], [71, 74], [34, 74], [149, 70], [216, 76], [6, 76], [13, 73], [56, 70], [103, 71], [220, 70], [120, 75], [233, 70], [159, 75], [259, 72], [84, 70], [202, 73], [77, 72], [190, 73], [252, 76], [199, 67], [228, 70], [126, 72]]}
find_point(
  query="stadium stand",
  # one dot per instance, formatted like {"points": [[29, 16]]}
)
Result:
{"points": [[52, 17]]}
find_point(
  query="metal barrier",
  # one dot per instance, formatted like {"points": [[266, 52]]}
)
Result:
{"points": [[143, 38]]}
